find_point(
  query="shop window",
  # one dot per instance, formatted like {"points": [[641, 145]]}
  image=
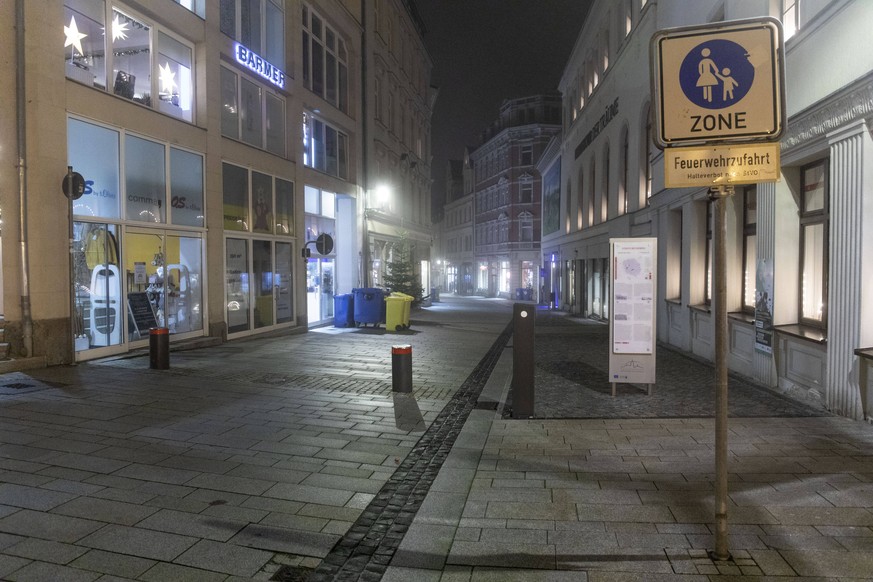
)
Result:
{"points": [[186, 188], [236, 269], [790, 17], [262, 203], [94, 152], [144, 179], [165, 83], [98, 320], [707, 257], [153, 174], [269, 202], [252, 113], [750, 230], [324, 147], [284, 207], [235, 182], [325, 60], [814, 219], [259, 25]]}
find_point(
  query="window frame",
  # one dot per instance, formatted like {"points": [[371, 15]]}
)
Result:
{"points": [[750, 233], [121, 83], [811, 218], [265, 94], [333, 82]]}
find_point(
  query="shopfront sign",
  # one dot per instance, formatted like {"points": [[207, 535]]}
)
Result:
{"points": [[719, 83], [251, 60], [721, 165]]}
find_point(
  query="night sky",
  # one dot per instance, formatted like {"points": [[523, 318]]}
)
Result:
{"points": [[485, 51]]}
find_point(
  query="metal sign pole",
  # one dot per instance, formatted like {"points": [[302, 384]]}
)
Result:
{"points": [[719, 195]]}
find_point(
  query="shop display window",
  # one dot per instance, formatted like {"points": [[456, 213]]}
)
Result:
{"points": [[186, 188], [93, 151], [284, 207], [163, 277], [145, 180], [99, 311], [236, 192]]}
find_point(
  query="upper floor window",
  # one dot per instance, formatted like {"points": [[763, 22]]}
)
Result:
{"points": [[325, 148], [526, 192], [325, 61], [526, 155], [251, 113], [814, 218], [628, 17], [127, 57], [525, 220], [198, 7], [790, 17], [259, 25]]}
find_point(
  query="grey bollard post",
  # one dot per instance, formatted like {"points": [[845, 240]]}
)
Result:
{"points": [[523, 319], [159, 348], [401, 368]]}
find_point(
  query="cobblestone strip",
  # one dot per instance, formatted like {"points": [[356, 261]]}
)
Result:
{"points": [[367, 548]]}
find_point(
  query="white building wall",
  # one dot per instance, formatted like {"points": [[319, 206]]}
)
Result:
{"points": [[829, 86]]}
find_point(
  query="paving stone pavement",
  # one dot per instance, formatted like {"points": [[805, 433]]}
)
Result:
{"points": [[290, 458]]}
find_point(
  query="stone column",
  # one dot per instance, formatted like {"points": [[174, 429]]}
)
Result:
{"points": [[849, 286]]}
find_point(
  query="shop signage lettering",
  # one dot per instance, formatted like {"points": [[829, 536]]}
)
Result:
{"points": [[143, 200], [89, 191], [181, 202], [608, 115], [259, 65]]}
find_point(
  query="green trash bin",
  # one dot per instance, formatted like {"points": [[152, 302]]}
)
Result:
{"points": [[397, 308]]}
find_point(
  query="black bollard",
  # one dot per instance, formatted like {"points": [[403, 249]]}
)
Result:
{"points": [[401, 368], [523, 318], [159, 348]]}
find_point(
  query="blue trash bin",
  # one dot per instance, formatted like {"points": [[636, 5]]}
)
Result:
{"points": [[369, 305], [343, 310]]}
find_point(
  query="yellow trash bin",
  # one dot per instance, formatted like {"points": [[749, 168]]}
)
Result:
{"points": [[397, 308]]}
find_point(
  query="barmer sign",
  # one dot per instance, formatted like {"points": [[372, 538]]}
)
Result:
{"points": [[718, 83]]}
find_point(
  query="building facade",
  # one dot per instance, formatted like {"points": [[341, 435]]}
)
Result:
{"points": [[456, 228], [797, 278], [398, 108], [507, 196], [209, 145]]}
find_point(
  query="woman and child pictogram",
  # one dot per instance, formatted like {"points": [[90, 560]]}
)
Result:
{"points": [[709, 76]]}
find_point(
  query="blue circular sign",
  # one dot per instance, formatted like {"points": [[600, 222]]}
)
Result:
{"points": [[716, 74]]}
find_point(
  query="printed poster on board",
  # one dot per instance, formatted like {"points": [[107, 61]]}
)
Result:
{"points": [[764, 306]]}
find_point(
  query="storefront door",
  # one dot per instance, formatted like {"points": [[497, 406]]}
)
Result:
{"points": [[319, 290]]}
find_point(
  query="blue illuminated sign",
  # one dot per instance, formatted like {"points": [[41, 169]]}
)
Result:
{"points": [[259, 65]]}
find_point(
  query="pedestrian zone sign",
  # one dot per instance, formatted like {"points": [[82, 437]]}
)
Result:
{"points": [[718, 83]]}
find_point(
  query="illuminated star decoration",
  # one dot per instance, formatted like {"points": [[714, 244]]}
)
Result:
{"points": [[167, 79], [119, 29], [74, 37]]}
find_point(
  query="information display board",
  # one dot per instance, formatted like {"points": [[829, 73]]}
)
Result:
{"points": [[632, 333]]}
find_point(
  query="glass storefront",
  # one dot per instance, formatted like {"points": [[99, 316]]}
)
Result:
{"points": [[259, 218], [137, 249]]}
